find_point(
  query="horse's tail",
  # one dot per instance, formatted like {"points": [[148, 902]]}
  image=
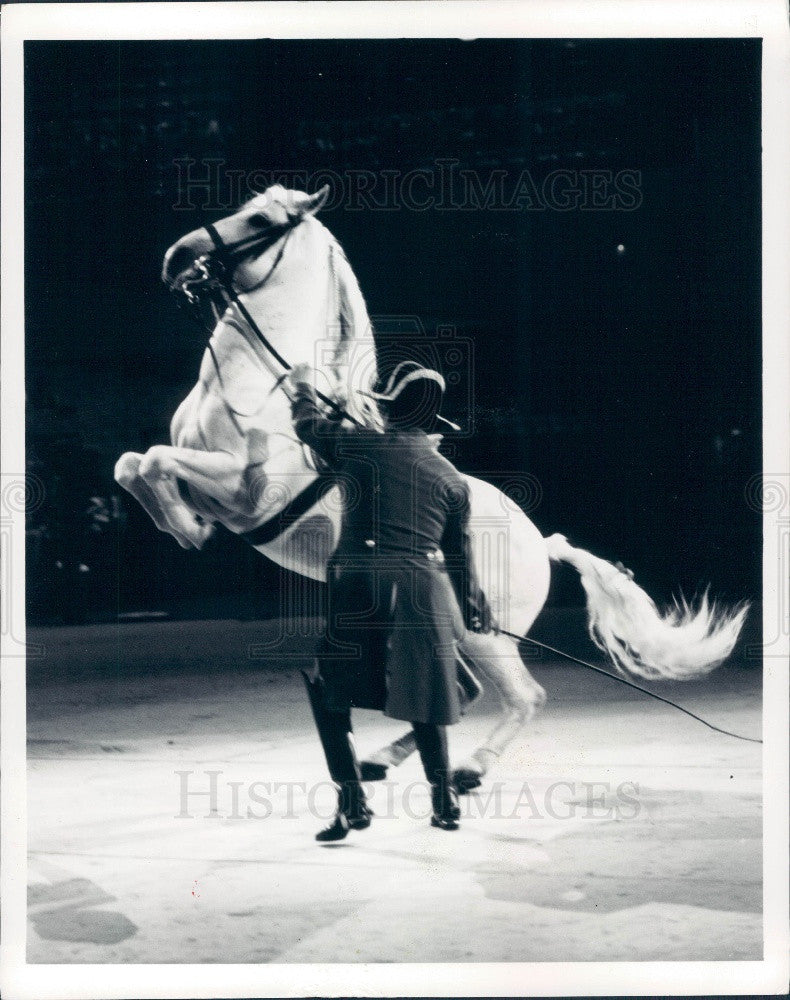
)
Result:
{"points": [[682, 643]]}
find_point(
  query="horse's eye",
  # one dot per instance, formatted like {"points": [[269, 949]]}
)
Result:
{"points": [[258, 219]]}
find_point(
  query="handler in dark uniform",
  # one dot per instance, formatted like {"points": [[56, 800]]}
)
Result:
{"points": [[402, 586]]}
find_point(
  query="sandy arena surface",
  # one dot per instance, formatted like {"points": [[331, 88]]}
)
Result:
{"points": [[614, 829]]}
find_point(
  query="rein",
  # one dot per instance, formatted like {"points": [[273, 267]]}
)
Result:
{"points": [[224, 253]]}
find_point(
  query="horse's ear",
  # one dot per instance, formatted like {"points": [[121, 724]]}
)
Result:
{"points": [[309, 204]]}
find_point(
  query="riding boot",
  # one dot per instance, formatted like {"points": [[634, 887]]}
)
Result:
{"points": [[432, 744], [334, 731]]}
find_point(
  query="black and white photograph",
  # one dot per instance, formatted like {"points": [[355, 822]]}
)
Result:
{"points": [[395, 499]]}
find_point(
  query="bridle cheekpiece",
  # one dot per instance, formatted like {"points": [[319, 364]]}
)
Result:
{"points": [[208, 282]]}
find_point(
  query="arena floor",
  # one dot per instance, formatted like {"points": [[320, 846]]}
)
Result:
{"points": [[614, 829]]}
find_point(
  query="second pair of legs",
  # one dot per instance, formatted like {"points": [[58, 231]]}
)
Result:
{"points": [[353, 812]]}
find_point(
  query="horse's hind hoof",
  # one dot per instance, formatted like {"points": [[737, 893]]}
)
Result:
{"points": [[371, 771], [465, 780]]}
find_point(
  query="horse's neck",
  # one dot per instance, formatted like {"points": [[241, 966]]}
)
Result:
{"points": [[309, 310], [232, 359]]}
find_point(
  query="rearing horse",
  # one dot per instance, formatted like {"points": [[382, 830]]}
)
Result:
{"points": [[290, 293]]}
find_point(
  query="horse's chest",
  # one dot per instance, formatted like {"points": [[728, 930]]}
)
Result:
{"points": [[185, 425], [205, 423]]}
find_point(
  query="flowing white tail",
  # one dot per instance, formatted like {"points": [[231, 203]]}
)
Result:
{"points": [[681, 644]]}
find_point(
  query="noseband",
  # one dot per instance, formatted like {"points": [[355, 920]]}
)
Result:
{"points": [[211, 281]]}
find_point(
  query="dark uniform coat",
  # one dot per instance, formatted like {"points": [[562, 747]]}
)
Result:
{"points": [[401, 573]]}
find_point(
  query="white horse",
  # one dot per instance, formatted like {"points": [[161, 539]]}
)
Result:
{"points": [[235, 459]]}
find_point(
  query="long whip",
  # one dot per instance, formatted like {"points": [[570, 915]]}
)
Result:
{"points": [[232, 294], [623, 680]]}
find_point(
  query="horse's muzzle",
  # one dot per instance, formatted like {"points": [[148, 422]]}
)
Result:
{"points": [[182, 256]]}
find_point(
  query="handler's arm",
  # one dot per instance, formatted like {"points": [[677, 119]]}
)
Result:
{"points": [[457, 548], [311, 426]]}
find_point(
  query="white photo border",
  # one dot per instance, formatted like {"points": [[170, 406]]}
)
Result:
{"points": [[765, 19]]}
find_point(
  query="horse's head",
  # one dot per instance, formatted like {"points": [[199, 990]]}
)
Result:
{"points": [[245, 236], [294, 282]]}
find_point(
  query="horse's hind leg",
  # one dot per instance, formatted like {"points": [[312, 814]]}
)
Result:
{"points": [[499, 662], [374, 766]]}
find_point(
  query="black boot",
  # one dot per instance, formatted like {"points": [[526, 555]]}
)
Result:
{"points": [[334, 730], [446, 810], [432, 744], [352, 813]]}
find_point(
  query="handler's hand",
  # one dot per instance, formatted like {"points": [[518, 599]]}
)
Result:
{"points": [[298, 383], [300, 373], [479, 618]]}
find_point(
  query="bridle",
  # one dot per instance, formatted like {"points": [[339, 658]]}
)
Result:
{"points": [[213, 282]]}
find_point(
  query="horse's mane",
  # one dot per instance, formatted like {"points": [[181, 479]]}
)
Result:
{"points": [[352, 370], [356, 348]]}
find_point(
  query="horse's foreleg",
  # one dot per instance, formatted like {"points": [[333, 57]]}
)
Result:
{"points": [[497, 659], [156, 490], [127, 475], [217, 474], [374, 766]]}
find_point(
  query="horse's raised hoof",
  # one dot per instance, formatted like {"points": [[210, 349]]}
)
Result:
{"points": [[371, 771], [465, 780]]}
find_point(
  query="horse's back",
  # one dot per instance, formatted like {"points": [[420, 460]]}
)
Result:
{"points": [[510, 555]]}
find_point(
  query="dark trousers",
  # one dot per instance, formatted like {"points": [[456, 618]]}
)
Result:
{"points": [[336, 735]]}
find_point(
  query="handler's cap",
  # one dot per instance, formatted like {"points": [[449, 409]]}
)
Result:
{"points": [[412, 396], [405, 374]]}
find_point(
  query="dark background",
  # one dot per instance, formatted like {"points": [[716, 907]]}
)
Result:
{"points": [[627, 383]]}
